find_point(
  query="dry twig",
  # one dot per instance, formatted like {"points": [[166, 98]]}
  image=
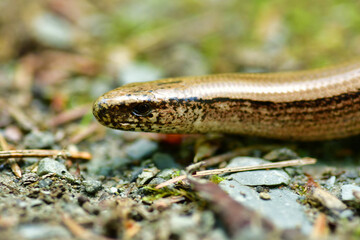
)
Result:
{"points": [[12, 161], [77, 230], [45, 153], [289, 163], [320, 229], [226, 156]]}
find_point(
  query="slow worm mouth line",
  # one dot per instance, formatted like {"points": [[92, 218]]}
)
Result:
{"points": [[306, 105], [126, 124]]}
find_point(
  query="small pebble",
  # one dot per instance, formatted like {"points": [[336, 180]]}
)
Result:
{"points": [[281, 154], [156, 181], [22, 204], [29, 178], [48, 165], [347, 192], [135, 174], [260, 177], [141, 149], [45, 182], [259, 189], [265, 196], [13, 133], [357, 181], [92, 186], [352, 174], [327, 199], [146, 175], [347, 214], [113, 190], [43, 231], [330, 182], [169, 173]]}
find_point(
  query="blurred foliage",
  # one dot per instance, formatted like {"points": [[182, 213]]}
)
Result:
{"points": [[303, 29]]}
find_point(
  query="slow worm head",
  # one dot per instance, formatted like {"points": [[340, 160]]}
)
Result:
{"points": [[306, 105]]}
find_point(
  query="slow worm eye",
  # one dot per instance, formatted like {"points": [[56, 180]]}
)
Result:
{"points": [[142, 109]]}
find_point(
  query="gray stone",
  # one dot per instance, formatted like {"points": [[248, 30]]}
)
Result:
{"points": [[239, 192], [164, 160], [170, 173], [113, 190], [92, 186], [330, 182], [38, 139], [29, 178], [347, 214], [347, 192], [357, 181], [352, 174], [22, 204], [45, 182], [156, 181], [48, 165], [258, 177], [146, 175], [282, 209], [180, 224], [281, 154], [43, 231], [141, 148]]}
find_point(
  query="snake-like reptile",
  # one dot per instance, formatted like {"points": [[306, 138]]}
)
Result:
{"points": [[305, 105]]}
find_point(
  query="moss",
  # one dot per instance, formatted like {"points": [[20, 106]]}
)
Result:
{"points": [[153, 194], [216, 179]]}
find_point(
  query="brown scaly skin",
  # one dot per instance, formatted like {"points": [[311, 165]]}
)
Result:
{"points": [[308, 105]]}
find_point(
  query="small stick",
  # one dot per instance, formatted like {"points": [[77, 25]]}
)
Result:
{"points": [[226, 156], [15, 168], [77, 230], [213, 160], [320, 228], [45, 153], [289, 163]]}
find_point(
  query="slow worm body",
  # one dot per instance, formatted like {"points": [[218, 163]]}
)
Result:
{"points": [[306, 105]]}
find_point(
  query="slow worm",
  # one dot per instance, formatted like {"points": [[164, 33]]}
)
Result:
{"points": [[305, 105]]}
